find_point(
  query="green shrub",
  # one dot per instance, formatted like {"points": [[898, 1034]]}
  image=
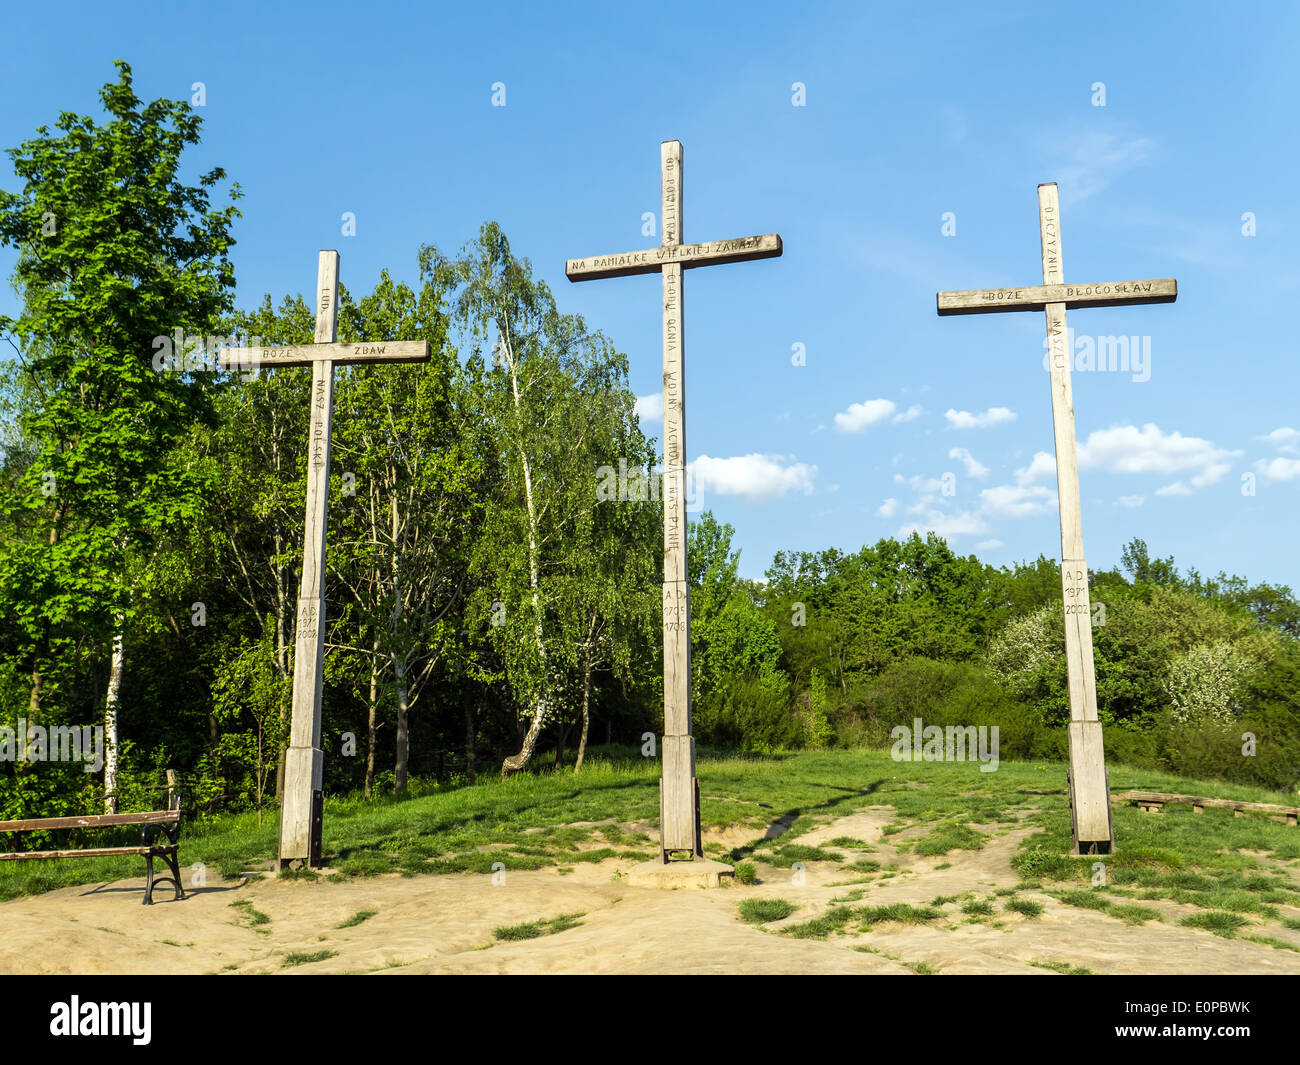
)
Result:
{"points": [[760, 911]]}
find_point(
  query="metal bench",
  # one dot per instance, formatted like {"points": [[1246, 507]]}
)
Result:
{"points": [[152, 822]]}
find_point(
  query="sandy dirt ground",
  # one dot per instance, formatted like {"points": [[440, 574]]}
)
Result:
{"points": [[445, 924]]}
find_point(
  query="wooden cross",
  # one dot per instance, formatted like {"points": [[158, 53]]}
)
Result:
{"points": [[679, 802], [300, 815], [1089, 782]]}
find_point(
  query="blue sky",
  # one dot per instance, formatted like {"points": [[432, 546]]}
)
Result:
{"points": [[385, 110]]}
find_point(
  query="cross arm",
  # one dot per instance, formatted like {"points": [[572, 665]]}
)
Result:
{"points": [[711, 253], [306, 354], [1036, 297]]}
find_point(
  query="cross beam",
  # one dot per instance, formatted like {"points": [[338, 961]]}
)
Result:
{"points": [[338, 354], [1089, 787], [689, 256], [1037, 297], [300, 815], [679, 805]]}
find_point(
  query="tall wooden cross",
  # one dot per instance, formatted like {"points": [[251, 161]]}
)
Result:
{"points": [[300, 813], [1089, 781], [679, 801]]}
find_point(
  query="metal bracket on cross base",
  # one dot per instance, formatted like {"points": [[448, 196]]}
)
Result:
{"points": [[317, 822]]}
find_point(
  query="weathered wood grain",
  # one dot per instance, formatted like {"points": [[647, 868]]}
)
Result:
{"points": [[680, 818], [149, 817], [688, 256], [1037, 297], [97, 852], [1053, 297], [304, 760], [310, 354]]}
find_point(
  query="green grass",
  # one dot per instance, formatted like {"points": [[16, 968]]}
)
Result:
{"points": [[899, 912], [298, 958], [1025, 907], [1063, 967], [1088, 900], [1134, 914], [1093, 900], [950, 836], [838, 919], [1216, 921], [536, 929], [745, 873], [977, 908], [1270, 941], [357, 918], [255, 916], [528, 822], [850, 843], [833, 920], [797, 852], [760, 911]]}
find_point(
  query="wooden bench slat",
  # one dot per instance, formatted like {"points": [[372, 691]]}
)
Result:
{"points": [[102, 852], [151, 817], [1196, 800], [1153, 801]]}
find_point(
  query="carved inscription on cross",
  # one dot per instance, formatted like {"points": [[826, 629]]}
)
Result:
{"points": [[679, 796], [304, 762], [1089, 791]]}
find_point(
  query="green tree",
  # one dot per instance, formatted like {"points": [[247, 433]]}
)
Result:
{"points": [[544, 378], [114, 253]]}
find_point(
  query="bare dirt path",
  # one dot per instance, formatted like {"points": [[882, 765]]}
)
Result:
{"points": [[445, 924]]}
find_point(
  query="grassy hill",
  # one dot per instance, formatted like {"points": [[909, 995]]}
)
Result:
{"points": [[1226, 865]]}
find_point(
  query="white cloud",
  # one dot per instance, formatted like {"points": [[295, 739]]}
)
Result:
{"points": [[888, 508], [1278, 469], [1283, 439], [1041, 467], [911, 414], [650, 408], [946, 525], [964, 419], [861, 415], [1130, 501], [1093, 160], [974, 468], [989, 545], [756, 478], [1127, 449], [919, 484], [1016, 501]]}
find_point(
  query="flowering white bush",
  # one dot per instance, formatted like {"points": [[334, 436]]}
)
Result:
{"points": [[1204, 681], [1025, 646]]}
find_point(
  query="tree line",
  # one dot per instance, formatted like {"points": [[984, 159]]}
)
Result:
{"points": [[486, 601]]}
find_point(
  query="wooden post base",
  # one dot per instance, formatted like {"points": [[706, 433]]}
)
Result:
{"points": [[1090, 810], [301, 809], [679, 854]]}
